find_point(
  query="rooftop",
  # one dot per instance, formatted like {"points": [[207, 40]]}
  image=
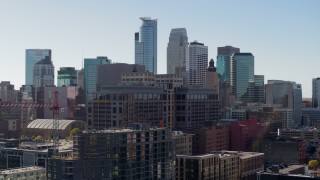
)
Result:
{"points": [[21, 170]]}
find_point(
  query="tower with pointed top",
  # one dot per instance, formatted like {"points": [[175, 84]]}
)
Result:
{"points": [[212, 78]]}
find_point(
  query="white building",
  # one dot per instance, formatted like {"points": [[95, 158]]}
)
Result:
{"points": [[197, 63], [24, 173]]}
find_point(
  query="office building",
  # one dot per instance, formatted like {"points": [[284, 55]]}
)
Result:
{"points": [[177, 51], [315, 92], [110, 74], [259, 90], [138, 152], [210, 138], [197, 167], [197, 64], [67, 76], [242, 72], [182, 143], [212, 78], [32, 57], [288, 95], [7, 92], [224, 62], [25, 173], [80, 79], [43, 73], [91, 74], [286, 172], [284, 150], [146, 44]]}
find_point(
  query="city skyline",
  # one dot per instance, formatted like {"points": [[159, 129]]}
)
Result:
{"points": [[278, 34]]}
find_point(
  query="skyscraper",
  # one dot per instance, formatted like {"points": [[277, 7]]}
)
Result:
{"points": [[242, 72], [223, 61], [7, 92], [32, 57], [177, 50], [289, 95], [43, 73], [90, 74], [315, 92], [197, 64], [146, 44], [67, 76]]}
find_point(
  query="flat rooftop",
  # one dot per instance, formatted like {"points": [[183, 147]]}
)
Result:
{"points": [[21, 170]]}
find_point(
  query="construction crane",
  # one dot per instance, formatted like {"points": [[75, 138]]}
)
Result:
{"points": [[55, 116]]}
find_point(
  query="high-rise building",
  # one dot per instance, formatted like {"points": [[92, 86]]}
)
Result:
{"points": [[91, 73], [146, 44], [242, 72], [32, 57], [315, 92], [177, 50], [7, 92], [288, 95], [67, 76], [197, 63], [80, 79], [212, 78], [43, 73], [137, 152], [110, 74], [223, 62]]}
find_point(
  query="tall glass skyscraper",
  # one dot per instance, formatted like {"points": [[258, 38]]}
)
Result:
{"points": [[223, 61], [177, 50], [146, 44], [316, 92], [242, 72], [32, 57]]}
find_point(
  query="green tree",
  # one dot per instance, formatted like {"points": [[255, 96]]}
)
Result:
{"points": [[73, 132]]}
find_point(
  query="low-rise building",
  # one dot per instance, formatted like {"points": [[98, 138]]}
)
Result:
{"points": [[24, 173]]}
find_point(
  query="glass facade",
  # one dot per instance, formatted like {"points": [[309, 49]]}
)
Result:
{"points": [[90, 74], [43, 73], [146, 45], [242, 72], [177, 50], [67, 76], [223, 68], [32, 57]]}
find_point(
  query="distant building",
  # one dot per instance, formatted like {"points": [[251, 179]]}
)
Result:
{"points": [[139, 152], [80, 79], [110, 74], [43, 73], [222, 165], [91, 74], [289, 95], [312, 115], [197, 63], [146, 44], [242, 73], [211, 138], [285, 172], [316, 92], [224, 62], [284, 151], [182, 143], [31, 172], [7, 92], [67, 76], [243, 134], [177, 50], [32, 57], [212, 78]]}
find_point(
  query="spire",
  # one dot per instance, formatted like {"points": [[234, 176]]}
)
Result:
{"points": [[211, 67]]}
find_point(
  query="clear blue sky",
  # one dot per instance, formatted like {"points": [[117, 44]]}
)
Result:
{"points": [[284, 36]]}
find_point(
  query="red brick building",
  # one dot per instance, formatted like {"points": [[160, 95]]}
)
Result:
{"points": [[208, 139], [243, 134]]}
